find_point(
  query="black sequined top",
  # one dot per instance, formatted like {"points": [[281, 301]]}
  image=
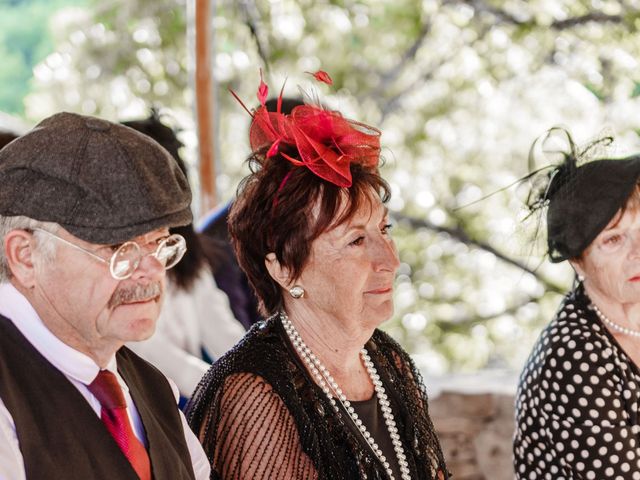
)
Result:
{"points": [[260, 415]]}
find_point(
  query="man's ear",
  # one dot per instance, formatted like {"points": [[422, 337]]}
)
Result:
{"points": [[18, 250], [278, 272]]}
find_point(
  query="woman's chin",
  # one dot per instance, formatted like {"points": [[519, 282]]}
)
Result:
{"points": [[380, 314]]}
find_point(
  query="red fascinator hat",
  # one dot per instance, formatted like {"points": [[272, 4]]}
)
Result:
{"points": [[326, 143]]}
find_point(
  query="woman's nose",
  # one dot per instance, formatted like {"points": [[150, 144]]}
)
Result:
{"points": [[386, 256], [634, 245]]}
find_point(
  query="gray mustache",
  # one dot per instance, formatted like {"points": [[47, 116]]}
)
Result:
{"points": [[137, 293]]}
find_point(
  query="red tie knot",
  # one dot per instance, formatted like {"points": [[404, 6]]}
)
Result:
{"points": [[107, 390]]}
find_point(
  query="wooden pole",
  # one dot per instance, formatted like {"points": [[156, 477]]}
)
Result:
{"points": [[205, 99]]}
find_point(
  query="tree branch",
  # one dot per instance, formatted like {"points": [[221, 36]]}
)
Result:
{"points": [[252, 17], [469, 321], [506, 17], [459, 234], [390, 105], [481, 6], [394, 72], [597, 17]]}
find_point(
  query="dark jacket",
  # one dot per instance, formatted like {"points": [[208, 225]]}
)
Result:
{"points": [[60, 435]]}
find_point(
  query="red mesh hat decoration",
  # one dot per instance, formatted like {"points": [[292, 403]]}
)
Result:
{"points": [[326, 142]]}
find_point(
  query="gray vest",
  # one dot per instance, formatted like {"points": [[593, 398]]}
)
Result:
{"points": [[61, 437]]}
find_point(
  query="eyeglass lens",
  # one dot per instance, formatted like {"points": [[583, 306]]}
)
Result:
{"points": [[170, 251], [126, 259]]}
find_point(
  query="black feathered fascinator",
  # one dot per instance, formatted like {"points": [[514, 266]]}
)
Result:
{"points": [[581, 193]]}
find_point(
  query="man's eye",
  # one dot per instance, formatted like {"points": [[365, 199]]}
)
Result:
{"points": [[158, 241]]}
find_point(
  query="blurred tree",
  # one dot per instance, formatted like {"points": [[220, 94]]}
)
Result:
{"points": [[460, 90], [24, 41]]}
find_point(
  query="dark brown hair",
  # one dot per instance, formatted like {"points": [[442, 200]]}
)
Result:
{"points": [[285, 217], [199, 252], [631, 203], [6, 137]]}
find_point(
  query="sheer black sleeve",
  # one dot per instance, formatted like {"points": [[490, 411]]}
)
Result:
{"points": [[260, 415], [249, 433]]}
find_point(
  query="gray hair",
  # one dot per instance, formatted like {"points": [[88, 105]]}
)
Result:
{"points": [[44, 243]]}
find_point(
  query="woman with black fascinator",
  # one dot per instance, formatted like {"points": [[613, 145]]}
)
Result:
{"points": [[578, 400]]}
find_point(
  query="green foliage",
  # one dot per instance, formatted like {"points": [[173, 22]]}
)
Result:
{"points": [[460, 90], [24, 41], [14, 76]]}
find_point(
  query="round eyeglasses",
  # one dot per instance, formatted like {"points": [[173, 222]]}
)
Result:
{"points": [[126, 258]]}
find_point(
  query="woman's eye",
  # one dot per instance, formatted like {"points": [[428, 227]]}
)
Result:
{"points": [[386, 228], [612, 239], [357, 241]]}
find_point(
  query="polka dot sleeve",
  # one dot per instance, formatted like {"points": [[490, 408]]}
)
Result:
{"points": [[577, 404]]}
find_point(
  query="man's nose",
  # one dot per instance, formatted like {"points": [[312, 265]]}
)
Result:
{"points": [[149, 266]]}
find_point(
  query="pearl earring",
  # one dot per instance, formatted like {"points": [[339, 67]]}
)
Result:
{"points": [[580, 278], [296, 291]]}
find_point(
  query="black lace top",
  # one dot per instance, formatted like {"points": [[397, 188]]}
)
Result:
{"points": [[260, 415], [370, 413]]}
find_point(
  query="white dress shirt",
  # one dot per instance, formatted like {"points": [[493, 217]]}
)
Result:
{"points": [[80, 370], [191, 320]]}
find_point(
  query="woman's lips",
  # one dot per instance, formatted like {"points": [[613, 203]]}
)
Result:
{"points": [[380, 291], [635, 279]]}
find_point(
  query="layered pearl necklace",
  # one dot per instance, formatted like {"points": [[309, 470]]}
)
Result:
{"points": [[328, 385], [613, 325]]}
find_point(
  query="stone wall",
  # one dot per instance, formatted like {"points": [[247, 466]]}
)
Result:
{"points": [[474, 418]]}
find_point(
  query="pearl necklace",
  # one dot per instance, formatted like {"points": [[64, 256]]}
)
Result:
{"points": [[328, 385], [615, 326]]}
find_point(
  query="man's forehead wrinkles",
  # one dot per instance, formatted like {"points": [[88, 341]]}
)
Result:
{"points": [[150, 237]]}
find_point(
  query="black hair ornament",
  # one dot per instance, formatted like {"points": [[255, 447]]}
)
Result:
{"points": [[581, 193]]}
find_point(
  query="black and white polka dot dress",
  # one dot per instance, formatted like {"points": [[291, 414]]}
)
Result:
{"points": [[577, 414]]}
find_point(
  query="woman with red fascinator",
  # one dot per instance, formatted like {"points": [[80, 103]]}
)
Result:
{"points": [[315, 391]]}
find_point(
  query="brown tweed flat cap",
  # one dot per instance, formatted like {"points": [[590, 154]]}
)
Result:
{"points": [[103, 182]]}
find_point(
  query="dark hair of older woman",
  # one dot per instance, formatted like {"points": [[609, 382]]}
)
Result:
{"points": [[199, 252], [316, 391], [578, 395]]}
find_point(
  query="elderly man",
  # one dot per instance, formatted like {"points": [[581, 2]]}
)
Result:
{"points": [[85, 211]]}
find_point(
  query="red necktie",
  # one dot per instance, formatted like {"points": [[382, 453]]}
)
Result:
{"points": [[107, 390]]}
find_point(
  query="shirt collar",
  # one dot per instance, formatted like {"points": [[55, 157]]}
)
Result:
{"points": [[71, 362]]}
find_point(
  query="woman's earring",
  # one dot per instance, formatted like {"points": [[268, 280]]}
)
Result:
{"points": [[296, 291], [580, 278]]}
